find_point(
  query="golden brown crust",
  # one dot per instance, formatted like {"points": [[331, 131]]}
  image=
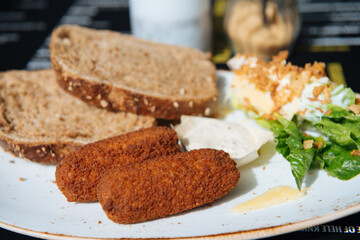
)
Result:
{"points": [[166, 185], [78, 174], [107, 95]]}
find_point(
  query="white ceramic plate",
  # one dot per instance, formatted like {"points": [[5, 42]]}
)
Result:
{"points": [[30, 203]]}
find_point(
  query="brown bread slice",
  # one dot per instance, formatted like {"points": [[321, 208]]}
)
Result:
{"points": [[41, 122], [117, 71]]}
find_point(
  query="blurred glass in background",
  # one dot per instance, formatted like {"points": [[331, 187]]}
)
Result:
{"points": [[178, 22], [262, 27]]}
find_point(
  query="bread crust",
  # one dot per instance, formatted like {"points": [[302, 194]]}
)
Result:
{"points": [[88, 91], [109, 96], [48, 154]]}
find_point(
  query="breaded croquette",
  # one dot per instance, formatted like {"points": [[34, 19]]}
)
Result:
{"points": [[166, 185], [78, 174]]}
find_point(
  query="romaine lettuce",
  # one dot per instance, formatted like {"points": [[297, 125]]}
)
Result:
{"points": [[335, 155], [342, 96], [289, 141], [340, 163]]}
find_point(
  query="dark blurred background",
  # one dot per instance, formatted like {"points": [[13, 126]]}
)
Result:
{"points": [[330, 33]]}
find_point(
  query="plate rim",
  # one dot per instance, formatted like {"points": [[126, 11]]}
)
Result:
{"points": [[246, 234]]}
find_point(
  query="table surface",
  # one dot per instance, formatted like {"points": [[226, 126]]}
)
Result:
{"points": [[330, 33]]}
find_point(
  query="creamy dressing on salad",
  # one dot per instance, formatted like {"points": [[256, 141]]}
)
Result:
{"points": [[283, 82], [310, 107], [313, 110]]}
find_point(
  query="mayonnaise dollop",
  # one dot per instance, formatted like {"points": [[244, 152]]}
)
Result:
{"points": [[240, 141]]}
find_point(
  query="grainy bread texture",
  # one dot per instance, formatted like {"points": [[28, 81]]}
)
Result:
{"points": [[78, 174], [41, 122], [117, 71], [166, 185]]}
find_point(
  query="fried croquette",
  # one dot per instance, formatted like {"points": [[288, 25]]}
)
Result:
{"points": [[78, 174], [166, 185]]}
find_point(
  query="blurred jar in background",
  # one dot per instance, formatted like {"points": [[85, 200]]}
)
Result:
{"points": [[179, 22], [260, 27]]}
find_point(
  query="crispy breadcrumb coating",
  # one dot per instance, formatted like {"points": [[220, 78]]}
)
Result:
{"points": [[78, 174], [166, 185]]}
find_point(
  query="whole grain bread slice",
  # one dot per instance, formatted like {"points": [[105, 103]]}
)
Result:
{"points": [[117, 71], [41, 122]]}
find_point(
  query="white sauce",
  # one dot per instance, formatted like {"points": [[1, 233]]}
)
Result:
{"points": [[283, 82], [240, 141], [311, 107]]}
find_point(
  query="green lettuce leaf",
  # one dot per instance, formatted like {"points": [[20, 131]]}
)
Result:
{"points": [[333, 155], [318, 161], [354, 127], [290, 144], [342, 96], [340, 163], [338, 113], [336, 132], [341, 126]]}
